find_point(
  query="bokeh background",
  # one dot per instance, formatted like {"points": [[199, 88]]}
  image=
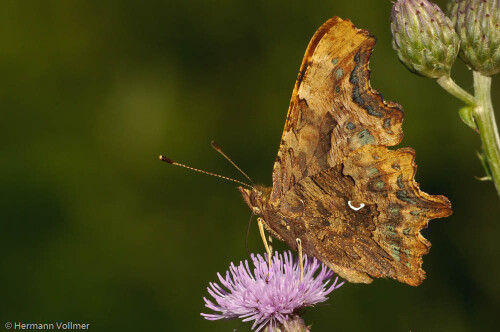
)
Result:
{"points": [[94, 229]]}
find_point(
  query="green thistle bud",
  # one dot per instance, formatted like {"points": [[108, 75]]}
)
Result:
{"points": [[477, 23], [424, 38]]}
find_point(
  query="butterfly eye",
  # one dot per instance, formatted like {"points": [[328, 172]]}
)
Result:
{"points": [[355, 208]]}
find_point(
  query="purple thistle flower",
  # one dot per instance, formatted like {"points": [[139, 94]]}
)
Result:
{"points": [[250, 297]]}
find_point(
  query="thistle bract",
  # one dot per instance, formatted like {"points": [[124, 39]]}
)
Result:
{"points": [[477, 23], [424, 38]]}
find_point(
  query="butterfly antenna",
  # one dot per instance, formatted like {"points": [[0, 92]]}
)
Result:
{"points": [[218, 149], [170, 161]]}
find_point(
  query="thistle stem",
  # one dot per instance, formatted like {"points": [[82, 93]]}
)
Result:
{"points": [[455, 90], [485, 119], [293, 324]]}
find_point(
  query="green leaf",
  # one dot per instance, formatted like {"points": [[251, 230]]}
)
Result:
{"points": [[467, 117]]}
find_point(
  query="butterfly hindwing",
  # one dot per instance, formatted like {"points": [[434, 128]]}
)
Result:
{"points": [[380, 239]]}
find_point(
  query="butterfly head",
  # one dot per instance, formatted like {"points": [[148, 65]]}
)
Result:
{"points": [[256, 198]]}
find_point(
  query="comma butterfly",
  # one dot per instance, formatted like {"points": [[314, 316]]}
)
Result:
{"points": [[351, 202]]}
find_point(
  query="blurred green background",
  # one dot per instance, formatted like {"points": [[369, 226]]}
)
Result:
{"points": [[94, 229]]}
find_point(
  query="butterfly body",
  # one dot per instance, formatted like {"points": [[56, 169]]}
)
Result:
{"points": [[352, 202]]}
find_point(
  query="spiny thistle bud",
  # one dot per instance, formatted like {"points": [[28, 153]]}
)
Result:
{"points": [[424, 38], [477, 23]]}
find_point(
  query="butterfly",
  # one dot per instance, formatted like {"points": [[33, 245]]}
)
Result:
{"points": [[338, 191]]}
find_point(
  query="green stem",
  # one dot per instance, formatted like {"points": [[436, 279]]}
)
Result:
{"points": [[452, 88], [485, 121], [293, 324]]}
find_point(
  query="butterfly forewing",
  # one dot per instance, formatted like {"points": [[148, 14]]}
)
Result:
{"points": [[333, 110]]}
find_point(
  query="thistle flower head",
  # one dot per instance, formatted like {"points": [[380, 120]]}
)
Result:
{"points": [[477, 23], [247, 295], [423, 37]]}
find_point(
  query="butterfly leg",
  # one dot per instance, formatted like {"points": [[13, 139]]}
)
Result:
{"points": [[301, 262], [268, 248]]}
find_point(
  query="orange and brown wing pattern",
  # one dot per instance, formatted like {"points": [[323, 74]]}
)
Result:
{"points": [[386, 179], [353, 203], [363, 218], [333, 110]]}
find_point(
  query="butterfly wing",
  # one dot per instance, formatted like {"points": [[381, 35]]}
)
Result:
{"points": [[381, 239], [333, 109], [333, 158]]}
